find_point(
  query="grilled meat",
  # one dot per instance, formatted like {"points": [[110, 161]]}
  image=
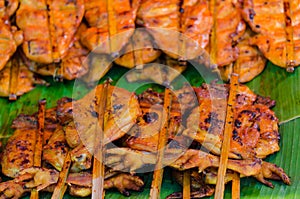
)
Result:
{"points": [[271, 20], [139, 50], [251, 120], [16, 79], [79, 183], [249, 63], [48, 27], [109, 32]]}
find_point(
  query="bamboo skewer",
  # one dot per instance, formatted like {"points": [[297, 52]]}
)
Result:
{"points": [[112, 27], [37, 157], [229, 122], [235, 186], [158, 173], [213, 38], [187, 184], [61, 186], [98, 166], [290, 52]]}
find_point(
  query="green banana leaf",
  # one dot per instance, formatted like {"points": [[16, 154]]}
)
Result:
{"points": [[274, 82]]}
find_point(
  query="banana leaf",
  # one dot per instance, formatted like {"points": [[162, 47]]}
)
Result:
{"points": [[274, 82]]}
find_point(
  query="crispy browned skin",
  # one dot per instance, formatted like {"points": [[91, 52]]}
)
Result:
{"points": [[144, 53], [25, 79], [164, 19], [96, 38], [228, 28], [196, 23], [268, 19], [79, 183], [162, 72], [48, 27], [165, 22], [249, 63], [253, 119], [198, 187], [10, 38], [72, 65]]}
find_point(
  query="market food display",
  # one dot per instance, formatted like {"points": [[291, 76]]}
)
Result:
{"points": [[134, 122], [181, 30]]}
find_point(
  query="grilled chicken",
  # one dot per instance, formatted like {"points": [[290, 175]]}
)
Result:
{"points": [[72, 66], [165, 22], [273, 21], [198, 187], [249, 63], [227, 30], [140, 50], [253, 119], [157, 72], [79, 183], [110, 29], [10, 38], [48, 27], [16, 79]]}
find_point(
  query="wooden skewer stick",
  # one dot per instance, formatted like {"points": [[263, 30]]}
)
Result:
{"points": [[235, 186], [229, 125], [98, 166], [112, 27], [290, 52], [187, 184], [213, 39], [158, 173], [37, 157], [61, 186]]}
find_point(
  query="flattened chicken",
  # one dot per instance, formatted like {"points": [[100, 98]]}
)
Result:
{"points": [[10, 38], [228, 28], [249, 63], [79, 183], [121, 113], [139, 50], [253, 119], [105, 25], [72, 66], [48, 27], [272, 20], [16, 79], [159, 73], [165, 22]]}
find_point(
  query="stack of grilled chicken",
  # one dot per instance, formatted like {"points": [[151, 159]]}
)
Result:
{"points": [[131, 136], [57, 37]]}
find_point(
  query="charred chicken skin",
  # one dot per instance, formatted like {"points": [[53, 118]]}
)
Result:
{"points": [[66, 133], [48, 28], [105, 24]]}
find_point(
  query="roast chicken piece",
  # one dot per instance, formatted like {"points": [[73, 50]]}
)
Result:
{"points": [[48, 28], [227, 29], [16, 79], [110, 30], [256, 126], [139, 50], [162, 72], [198, 187], [126, 159], [275, 40], [10, 37], [249, 63], [80, 184], [121, 112], [164, 20], [72, 65]]}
